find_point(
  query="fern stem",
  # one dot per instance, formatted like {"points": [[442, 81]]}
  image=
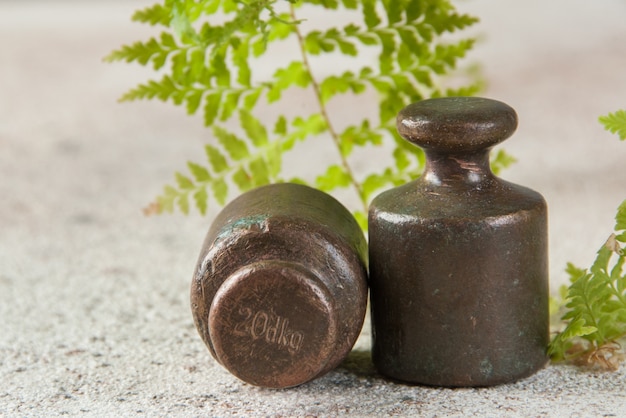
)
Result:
{"points": [[324, 112]]}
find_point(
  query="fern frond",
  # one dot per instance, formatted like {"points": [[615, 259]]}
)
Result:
{"points": [[144, 52], [212, 72], [606, 300], [441, 18], [244, 163], [596, 305], [164, 90]]}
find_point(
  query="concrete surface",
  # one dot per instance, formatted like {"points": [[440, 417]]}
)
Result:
{"points": [[94, 315]]}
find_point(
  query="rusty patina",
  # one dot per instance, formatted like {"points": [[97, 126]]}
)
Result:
{"points": [[280, 289], [458, 258]]}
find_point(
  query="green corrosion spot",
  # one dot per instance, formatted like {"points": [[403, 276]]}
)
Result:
{"points": [[486, 368], [250, 223]]}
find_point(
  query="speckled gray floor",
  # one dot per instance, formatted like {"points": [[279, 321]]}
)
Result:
{"points": [[94, 315]]}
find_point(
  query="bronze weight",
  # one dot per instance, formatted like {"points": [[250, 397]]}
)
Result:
{"points": [[458, 258], [280, 288]]}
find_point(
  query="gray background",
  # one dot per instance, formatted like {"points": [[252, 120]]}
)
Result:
{"points": [[94, 315]]}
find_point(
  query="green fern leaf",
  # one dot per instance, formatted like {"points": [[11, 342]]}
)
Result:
{"points": [[401, 158], [370, 16], [193, 101], [251, 97], [294, 74], [220, 70], [216, 158], [446, 56], [201, 198], [333, 85], [361, 218], [142, 52], [230, 103], [334, 177], [236, 147], [259, 172], [280, 128], [184, 182], [154, 15], [500, 161], [220, 190], [386, 59], [254, 128], [562, 343], [183, 203], [181, 23], [620, 222], [394, 10], [615, 123], [166, 200], [162, 90], [241, 55], [410, 45], [377, 181], [243, 179], [345, 46], [212, 105], [273, 158], [200, 173], [196, 67], [228, 6], [358, 136], [574, 272], [280, 27], [315, 44], [303, 128]]}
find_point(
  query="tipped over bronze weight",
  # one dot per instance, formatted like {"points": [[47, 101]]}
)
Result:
{"points": [[458, 257], [280, 289]]}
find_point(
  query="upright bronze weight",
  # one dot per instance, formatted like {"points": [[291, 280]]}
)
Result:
{"points": [[280, 288], [458, 258]]}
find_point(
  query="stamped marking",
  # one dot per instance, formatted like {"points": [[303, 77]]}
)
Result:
{"points": [[274, 329]]}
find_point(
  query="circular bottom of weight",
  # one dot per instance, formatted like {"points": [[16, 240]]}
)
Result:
{"points": [[273, 324]]}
